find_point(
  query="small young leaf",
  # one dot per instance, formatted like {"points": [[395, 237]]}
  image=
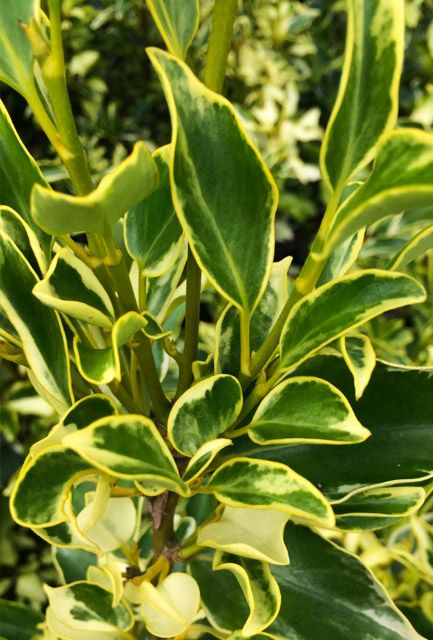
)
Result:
{"points": [[246, 533], [38, 327], [340, 306], [71, 286], [134, 179], [177, 23], [367, 102], [204, 412], [153, 235], [203, 458], [223, 193], [16, 228], [259, 587], [306, 409], [259, 484], [128, 447], [360, 358], [402, 179]]}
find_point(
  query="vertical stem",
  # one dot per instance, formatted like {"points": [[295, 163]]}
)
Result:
{"points": [[192, 321], [53, 71], [223, 18], [245, 343]]}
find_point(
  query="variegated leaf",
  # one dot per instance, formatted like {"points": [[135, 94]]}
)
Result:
{"points": [[420, 244], [203, 457], [177, 23], [358, 352]]}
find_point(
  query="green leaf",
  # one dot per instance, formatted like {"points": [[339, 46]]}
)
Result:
{"points": [[223, 193], [18, 174], [203, 458], [72, 564], [360, 358], [130, 447], [219, 590], [177, 23], [402, 179], [246, 533], [16, 56], [397, 410], [102, 366], [377, 508], [153, 236], [38, 327], [341, 258], [305, 409], [339, 307], [367, 101], [204, 412], [421, 243], [326, 584], [260, 484], [71, 286], [17, 230], [162, 289], [86, 608], [43, 485], [259, 587], [18, 622], [132, 180]]}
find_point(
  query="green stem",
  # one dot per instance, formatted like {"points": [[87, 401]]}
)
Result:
{"points": [[192, 322], [53, 71], [245, 344], [304, 284], [223, 17], [160, 405]]}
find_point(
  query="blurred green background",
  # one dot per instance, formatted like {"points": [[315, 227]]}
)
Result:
{"points": [[283, 77]]}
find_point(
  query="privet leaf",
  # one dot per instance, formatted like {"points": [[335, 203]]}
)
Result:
{"points": [[223, 193], [71, 286], [324, 583], [204, 412], [259, 587], [38, 327], [306, 409], [18, 173], [132, 180], [402, 178], [360, 357], [260, 484], [153, 236], [246, 533], [129, 447], [399, 414], [177, 23], [340, 306], [367, 101], [43, 484], [421, 243]]}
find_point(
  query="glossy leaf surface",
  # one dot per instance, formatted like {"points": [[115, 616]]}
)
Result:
{"points": [[305, 409], [177, 23], [360, 357], [325, 583], [204, 412], [127, 447], [259, 484], [340, 306], [401, 179], [223, 194], [420, 244], [367, 101], [16, 56], [38, 327]]}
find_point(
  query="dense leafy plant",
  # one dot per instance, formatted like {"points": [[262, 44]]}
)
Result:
{"points": [[197, 474]]}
